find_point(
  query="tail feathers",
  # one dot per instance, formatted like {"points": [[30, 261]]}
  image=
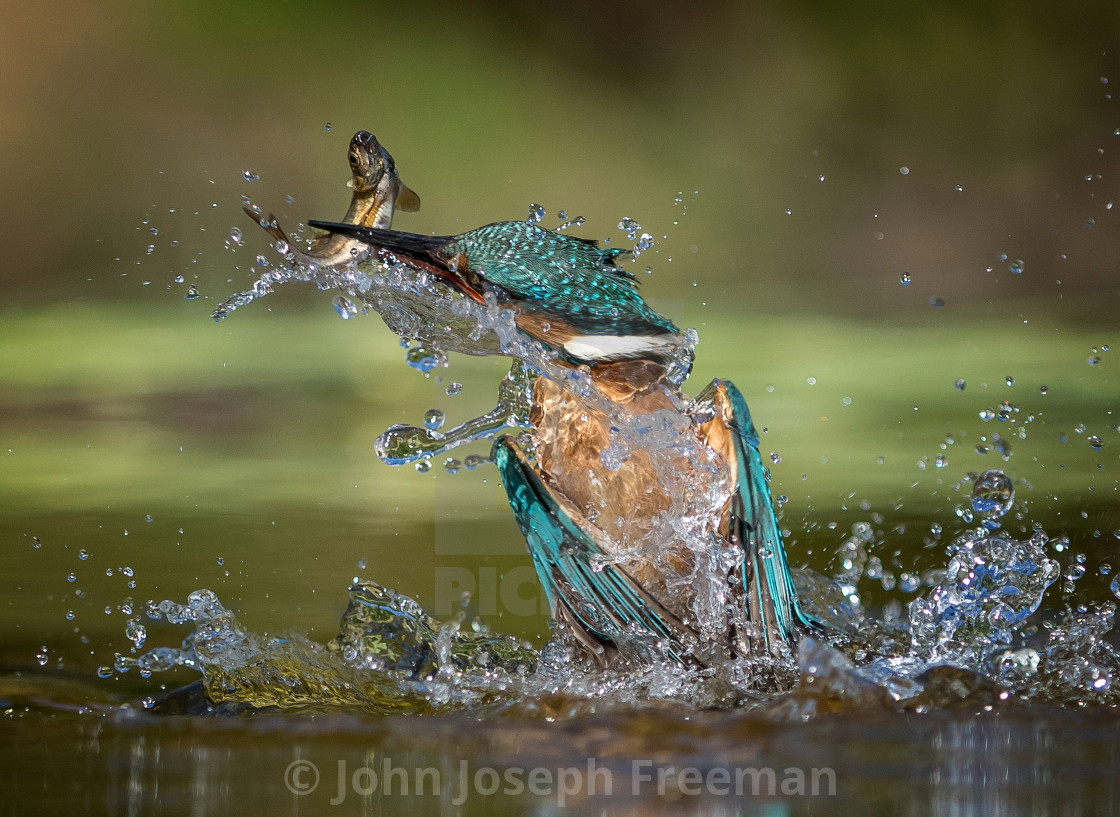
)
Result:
{"points": [[609, 264], [412, 244]]}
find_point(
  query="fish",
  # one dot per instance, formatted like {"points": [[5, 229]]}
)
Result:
{"points": [[378, 194]]}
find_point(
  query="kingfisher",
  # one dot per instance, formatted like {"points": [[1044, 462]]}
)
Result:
{"points": [[569, 294], [624, 579]]}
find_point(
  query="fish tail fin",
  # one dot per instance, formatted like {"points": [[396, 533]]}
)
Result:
{"points": [[270, 225]]}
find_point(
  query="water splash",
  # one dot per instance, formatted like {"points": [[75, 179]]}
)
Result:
{"points": [[992, 584], [969, 641], [403, 444], [973, 633]]}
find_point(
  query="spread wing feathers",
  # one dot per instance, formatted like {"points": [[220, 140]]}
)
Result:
{"points": [[770, 596], [601, 604]]}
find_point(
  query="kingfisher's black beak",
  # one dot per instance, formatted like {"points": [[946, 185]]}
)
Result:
{"points": [[410, 248], [352, 230]]}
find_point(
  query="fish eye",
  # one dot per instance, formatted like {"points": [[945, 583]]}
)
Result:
{"points": [[354, 159]]}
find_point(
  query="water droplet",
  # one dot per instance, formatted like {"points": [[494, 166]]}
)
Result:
{"points": [[262, 261], [454, 388], [992, 497], [941, 461], [536, 214], [328, 126], [235, 237], [937, 302], [473, 461], [1009, 380], [83, 554], [1044, 390], [135, 632], [250, 176], [345, 308], [958, 384], [905, 171], [1096, 443], [812, 381], [434, 419], [452, 465], [192, 293], [70, 577], [775, 457], [425, 359], [645, 241], [1016, 266], [905, 279], [630, 227], [179, 279], [1093, 360], [423, 466], [987, 415], [845, 401]]}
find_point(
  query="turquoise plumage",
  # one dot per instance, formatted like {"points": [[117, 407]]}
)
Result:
{"points": [[570, 282], [771, 598]]}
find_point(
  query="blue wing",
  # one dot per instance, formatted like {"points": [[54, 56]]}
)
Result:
{"points": [[598, 603], [770, 596]]}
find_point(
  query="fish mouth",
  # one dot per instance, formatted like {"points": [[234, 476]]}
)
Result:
{"points": [[363, 138], [365, 143]]}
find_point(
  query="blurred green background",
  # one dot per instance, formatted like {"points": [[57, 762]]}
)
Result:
{"points": [[794, 161]]}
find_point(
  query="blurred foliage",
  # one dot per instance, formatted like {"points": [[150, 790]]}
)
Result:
{"points": [[603, 109]]}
